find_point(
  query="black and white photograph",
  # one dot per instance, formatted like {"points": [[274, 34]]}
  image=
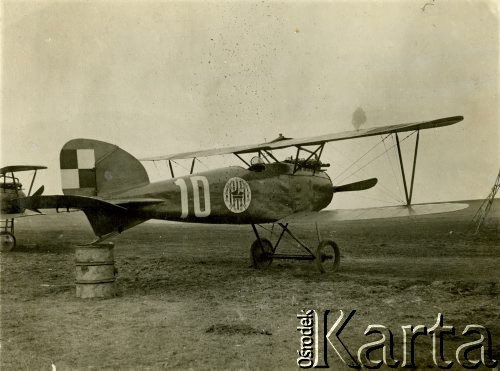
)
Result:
{"points": [[249, 185]]}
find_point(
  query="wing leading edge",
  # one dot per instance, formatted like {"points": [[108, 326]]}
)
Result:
{"points": [[313, 140], [372, 213]]}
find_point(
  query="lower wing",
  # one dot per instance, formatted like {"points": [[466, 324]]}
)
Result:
{"points": [[372, 213]]}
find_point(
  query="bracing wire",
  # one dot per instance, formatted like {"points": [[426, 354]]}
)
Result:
{"points": [[383, 189], [392, 167], [359, 159], [389, 160], [201, 162], [175, 162], [368, 163]]}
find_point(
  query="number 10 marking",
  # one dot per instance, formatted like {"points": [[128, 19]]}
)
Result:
{"points": [[195, 181]]}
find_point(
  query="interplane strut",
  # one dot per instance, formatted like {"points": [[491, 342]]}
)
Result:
{"points": [[408, 194]]}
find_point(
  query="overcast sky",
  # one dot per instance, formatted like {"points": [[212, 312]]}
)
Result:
{"points": [[162, 77]]}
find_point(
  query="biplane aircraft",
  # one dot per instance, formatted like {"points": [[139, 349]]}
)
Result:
{"points": [[113, 189], [11, 190]]}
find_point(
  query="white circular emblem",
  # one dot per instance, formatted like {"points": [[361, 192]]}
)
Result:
{"points": [[237, 195]]}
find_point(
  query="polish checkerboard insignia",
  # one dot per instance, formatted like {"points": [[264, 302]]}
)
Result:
{"points": [[78, 168], [237, 195]]}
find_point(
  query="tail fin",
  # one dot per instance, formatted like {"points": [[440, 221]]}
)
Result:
{"points": [[94, 168]]}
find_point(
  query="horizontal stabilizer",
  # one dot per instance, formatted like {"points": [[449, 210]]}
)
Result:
{"points": [[67, 202], [105, 218], [371, 213], [20, 215], [135, 202], [356, 186]]}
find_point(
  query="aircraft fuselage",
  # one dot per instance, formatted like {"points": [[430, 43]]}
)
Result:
{"points": [[235, 195]]}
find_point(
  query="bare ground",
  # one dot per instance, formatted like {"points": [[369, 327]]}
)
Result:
{"points": [[187, 297]]}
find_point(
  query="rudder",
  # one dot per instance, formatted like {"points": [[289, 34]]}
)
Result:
{"points": [[94, 168]]}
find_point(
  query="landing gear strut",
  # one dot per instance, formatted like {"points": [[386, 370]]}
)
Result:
{"points": [[326, 256]]}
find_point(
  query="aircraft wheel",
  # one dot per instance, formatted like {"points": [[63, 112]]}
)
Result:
{"points": [[327, 256], [262, 253], [7, 241]]}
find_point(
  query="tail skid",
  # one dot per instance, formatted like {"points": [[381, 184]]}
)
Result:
{"points": [[100, 239]]}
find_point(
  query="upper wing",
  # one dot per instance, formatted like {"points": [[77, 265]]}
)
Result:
{"points": [[372, 213], [210, 152], [18, 168], [313, 140]]}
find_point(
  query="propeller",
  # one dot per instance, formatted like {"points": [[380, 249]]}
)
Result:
{"points": [[38, 192], [356, 186]]}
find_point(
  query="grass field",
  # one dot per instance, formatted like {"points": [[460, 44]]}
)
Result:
{"points": [[187, 297]]}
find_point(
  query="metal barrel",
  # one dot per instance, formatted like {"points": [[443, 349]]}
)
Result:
{"points": [[95, 271]]}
